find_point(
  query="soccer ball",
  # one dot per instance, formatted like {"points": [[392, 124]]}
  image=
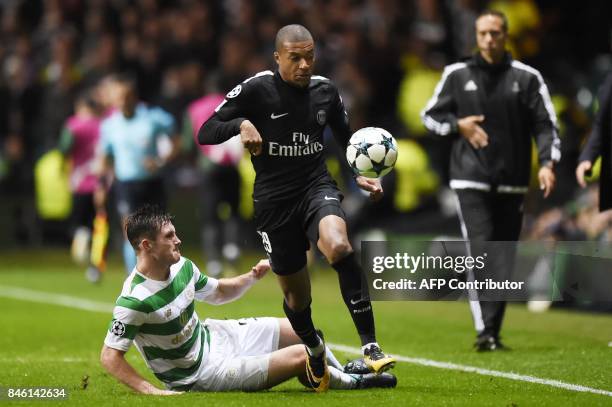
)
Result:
{"points": [[371, 152]]}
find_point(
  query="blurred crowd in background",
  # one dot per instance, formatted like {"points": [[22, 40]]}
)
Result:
{"points": [[386, 56]]}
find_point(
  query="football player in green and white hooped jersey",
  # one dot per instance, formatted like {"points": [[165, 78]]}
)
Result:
{"points": [[155, 311]]}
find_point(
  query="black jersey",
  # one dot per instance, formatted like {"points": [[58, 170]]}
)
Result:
{"points": [[291, 121]]}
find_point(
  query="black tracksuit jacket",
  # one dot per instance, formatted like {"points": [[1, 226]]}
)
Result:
{"points": [[517, 107]]}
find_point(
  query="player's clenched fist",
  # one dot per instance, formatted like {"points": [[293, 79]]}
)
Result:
{"points": [[250, 137], [261, 268]]}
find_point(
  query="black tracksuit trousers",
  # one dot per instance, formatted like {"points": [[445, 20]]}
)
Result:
{"points": [[487, 216]]}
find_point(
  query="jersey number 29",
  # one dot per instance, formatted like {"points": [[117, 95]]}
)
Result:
{"points": [[266, 242]]}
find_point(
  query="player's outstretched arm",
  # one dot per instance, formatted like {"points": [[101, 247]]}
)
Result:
{"points": [[114, 362], [230, 289], [216, 131]]}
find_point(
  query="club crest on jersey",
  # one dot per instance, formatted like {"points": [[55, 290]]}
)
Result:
{"points": [[168, 313], [118, 328], [234, 92], [321, 117]]}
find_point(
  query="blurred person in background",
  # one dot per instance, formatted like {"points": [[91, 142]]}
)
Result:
{"points": [[78, 143], [220, 185], [136, 142], [598, 145], [493, 106]]}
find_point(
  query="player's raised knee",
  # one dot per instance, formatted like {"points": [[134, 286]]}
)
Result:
{"points": [[337, 249]]}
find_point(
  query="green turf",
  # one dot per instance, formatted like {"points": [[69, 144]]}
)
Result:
{"points": [[50, 345]]}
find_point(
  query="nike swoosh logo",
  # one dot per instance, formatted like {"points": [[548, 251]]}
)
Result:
{"points": [[356, 302], [329, 198], [314, 383], [276, 116]]}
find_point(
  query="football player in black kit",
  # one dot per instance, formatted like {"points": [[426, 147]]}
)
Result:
{"points": [[280, 117]]}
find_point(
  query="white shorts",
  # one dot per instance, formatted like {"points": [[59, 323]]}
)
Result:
{"points": [[239, 354]]}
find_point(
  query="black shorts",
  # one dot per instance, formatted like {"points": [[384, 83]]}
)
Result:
{"points": [[286, 228], [83, 210]]}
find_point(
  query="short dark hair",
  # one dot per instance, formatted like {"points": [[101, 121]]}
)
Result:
{"points": [[292, 33], [496, 13], [147, 221], [87, 98]]}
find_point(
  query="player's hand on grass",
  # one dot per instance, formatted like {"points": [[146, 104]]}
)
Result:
{"points": [[162, 392], [470, 129], [250, 137], [547, 179], [583, 169], [372, 185], [260, 269]]}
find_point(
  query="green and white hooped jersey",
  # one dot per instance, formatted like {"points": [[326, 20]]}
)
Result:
{"points": [[159, 317]]}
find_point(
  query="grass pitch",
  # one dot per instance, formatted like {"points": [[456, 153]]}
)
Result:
{"points": [[49, 345]]}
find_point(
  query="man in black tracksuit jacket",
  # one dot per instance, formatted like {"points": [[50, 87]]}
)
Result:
{"points": [[492, 106]]}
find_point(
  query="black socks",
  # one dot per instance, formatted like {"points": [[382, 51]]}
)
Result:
{"points": [[359, 305], [302, 324]]}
